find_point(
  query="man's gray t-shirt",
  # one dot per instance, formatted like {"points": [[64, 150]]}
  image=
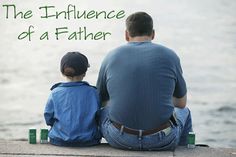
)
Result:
{"points": [[139, 80]]}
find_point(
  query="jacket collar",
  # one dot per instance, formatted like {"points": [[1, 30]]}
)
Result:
{"points": [[69, 84]]}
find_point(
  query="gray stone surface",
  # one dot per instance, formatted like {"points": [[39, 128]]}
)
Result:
{"points": [[205, 152], [23, 149]]}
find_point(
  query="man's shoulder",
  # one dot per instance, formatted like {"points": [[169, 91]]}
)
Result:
{"points": [[155, 46], [161, 47], [116, 52], [166, 51], [119, 49]]}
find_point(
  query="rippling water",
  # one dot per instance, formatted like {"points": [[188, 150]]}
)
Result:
{"points": [[202, 32]]}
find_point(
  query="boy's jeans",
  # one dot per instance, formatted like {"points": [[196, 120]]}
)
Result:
{"points": [[166, 139]]}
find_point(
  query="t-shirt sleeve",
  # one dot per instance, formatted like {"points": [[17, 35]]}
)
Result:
{"points": [[101, 83], [180, 86]]}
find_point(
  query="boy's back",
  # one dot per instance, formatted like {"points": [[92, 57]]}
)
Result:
{"points": [[72, 106]]}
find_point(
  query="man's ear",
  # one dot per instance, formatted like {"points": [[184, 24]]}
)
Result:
{"points": [[126, 35], [153, 34]]}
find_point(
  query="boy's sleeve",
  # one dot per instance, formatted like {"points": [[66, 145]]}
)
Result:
{"points": [[49, 111]]}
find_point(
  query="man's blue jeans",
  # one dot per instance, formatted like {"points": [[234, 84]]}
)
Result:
{"points": [[166, 139]]}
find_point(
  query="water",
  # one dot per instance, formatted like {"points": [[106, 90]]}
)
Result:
{"points": [[202, 32]]}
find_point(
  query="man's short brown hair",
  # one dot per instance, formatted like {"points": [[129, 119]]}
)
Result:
{"points": [[139, 24]]}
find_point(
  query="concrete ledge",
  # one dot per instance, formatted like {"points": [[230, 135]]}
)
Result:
{"points": [[23, 149]]}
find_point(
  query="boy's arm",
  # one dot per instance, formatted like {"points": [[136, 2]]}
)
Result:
{"points": [[49, 111]]}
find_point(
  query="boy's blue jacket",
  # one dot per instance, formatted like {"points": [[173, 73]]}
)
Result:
{"points": [[71, 111]]}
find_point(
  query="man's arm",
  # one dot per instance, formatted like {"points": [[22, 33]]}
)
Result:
{"points": [[180, 91], [102, 85], [180, 102], [104, 103]]}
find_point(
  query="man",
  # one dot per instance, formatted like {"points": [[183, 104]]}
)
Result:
{"points": [[143, 91]]}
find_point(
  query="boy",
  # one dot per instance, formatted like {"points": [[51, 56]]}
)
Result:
{"points": [[72, 106]]}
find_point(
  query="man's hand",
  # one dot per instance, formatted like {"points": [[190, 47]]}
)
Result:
{"points": [[180, 102], [104, 103]]}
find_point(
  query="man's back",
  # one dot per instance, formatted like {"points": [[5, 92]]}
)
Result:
{"points": [[140, 79]]}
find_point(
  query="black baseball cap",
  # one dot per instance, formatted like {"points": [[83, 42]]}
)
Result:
{"points": [[74, 64]]}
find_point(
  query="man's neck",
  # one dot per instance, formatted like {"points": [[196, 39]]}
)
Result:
{"points": [[140, 39]]}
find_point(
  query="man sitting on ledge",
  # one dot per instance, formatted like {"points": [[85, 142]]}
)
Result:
{"points": [[144, 93]]}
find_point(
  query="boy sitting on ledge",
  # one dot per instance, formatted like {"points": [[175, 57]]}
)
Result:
{"points": [[72, 106]]}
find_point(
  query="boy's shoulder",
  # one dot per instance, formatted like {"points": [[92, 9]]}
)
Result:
{"points": [[71, 84], [55, 86]]}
